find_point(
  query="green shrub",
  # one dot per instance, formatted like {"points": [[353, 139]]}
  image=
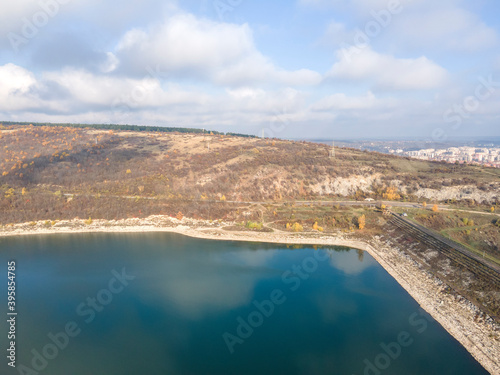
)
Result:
{"points": [[254, 225]]}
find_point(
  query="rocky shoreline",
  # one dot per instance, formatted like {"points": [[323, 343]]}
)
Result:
{"points": [[481, 337]]}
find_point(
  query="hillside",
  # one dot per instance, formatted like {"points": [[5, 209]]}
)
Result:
{"points": [[60, 172]]}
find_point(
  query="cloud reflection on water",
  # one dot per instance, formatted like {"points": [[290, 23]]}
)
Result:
{"points": [[197, 285], [346, 262], [200, 286]]}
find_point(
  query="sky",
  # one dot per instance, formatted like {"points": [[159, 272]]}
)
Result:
{"points": [[324, 69]]}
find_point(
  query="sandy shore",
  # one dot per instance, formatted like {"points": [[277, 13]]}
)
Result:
{"points": [[481, 337]]}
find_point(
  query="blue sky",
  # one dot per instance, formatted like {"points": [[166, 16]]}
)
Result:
{"points": [[300, 69]]}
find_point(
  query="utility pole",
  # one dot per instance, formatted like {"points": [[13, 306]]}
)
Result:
{"points": [[332, 151]]}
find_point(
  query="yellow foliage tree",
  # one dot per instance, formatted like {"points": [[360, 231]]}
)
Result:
{"points": [[9, 193], [317, 227], [179, 215], [223, 198], [129, 171], [296, 227], [391, 193], [362, 222], [492, 209], [435, 208], [424, 205]]}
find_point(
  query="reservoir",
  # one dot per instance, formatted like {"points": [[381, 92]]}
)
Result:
{"points": [[162, 303]]}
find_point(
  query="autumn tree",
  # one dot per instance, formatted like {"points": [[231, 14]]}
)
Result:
{"points": [[435, 208], [391, 193], [362, 222], [296, 227], [317, 227], [9, 193]]}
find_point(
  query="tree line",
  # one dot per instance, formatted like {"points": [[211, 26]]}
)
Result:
{"points": [[136, 128]]}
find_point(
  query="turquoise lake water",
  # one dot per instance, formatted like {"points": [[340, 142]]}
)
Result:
{"points": [[156, 303]]}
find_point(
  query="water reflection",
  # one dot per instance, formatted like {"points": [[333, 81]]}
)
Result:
{"points": [[197, 286], [352, 265], [188, 292]]}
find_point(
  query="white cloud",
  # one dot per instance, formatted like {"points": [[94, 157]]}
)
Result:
{"points": [[23, 21], [224, 53], [16, 84], [109, 93], [13, 12], [336, 34], [76, 95], [110, 64], [446, 27], [184, 42], [423, 25], [341, 101], [387, 72], [213, 74]]}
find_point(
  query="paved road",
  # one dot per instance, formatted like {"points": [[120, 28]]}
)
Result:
{"points": [[441, 207]]}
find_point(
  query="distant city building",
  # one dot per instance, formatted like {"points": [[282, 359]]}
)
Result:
{"points": [[483, 156]]}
